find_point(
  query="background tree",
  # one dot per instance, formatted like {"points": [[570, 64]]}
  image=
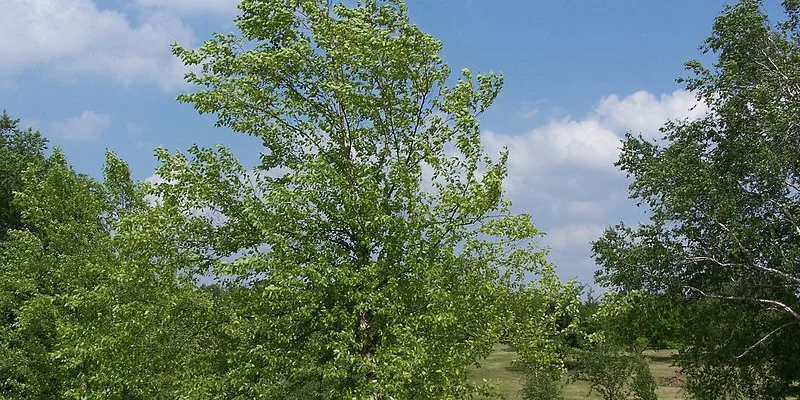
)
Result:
{"points": [[373, 232], [724, 204], [49, 270], [92, 304], [613, 372], [546, 323], [18, 149], [638, 321]]}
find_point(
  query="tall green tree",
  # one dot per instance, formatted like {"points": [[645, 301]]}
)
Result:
{"points": [[724, 200], [373, 232]]}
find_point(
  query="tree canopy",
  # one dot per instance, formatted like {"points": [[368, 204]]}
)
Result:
{"points": [[86, 308], [373, 232], [723, 197], [18, 149], [371, 252]]}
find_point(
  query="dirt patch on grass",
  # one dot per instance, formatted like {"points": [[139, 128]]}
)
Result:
{"points": [[676, 380]]}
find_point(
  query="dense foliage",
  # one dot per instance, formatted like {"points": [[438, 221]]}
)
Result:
{"points": [[373, 231], [723, 193], [18, 149], [545, 322], [371, 253], [638, 321], [613, 372], [88, 309]]}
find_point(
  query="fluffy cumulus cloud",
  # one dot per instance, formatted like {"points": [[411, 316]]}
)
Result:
{"points": [[593, 142], [73, 38], [563, 173], [89, 125], [644, 112], [562, 142]]}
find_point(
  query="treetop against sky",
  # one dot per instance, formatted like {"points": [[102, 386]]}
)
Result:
{"points": [[99, 74]]}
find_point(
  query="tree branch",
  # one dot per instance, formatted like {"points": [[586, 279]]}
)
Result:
{"points": [[770, 304], [765, 338]]}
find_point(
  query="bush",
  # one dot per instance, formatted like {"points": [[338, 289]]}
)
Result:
{"points": [[543, 383], [614, 373]]}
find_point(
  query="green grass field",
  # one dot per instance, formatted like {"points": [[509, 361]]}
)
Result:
{"points": [[497, 371]]}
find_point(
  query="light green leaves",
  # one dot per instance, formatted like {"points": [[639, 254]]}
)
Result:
{"points": [[381, 228]]}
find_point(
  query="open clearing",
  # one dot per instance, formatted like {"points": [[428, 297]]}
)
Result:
{"points": [[496, 369]]}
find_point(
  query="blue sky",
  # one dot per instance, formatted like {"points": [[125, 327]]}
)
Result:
{"points": [[98, 74]]}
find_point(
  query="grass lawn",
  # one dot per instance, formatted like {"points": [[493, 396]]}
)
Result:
{"points": [[496, 369]]}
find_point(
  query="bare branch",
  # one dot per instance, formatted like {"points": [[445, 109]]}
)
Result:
{"points": [[765, 338], [782, 274], [696, 259], [770, 304]]}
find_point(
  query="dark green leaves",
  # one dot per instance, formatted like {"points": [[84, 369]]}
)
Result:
{"points": [[723, 199]]}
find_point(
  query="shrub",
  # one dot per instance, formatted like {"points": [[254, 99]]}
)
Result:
{"points": [[543, 383], [614, 373]]}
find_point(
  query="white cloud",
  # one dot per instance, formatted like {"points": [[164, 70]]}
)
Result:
{"points": [[154, 179], [71, 38], [561, 142], [645, 113], [574, 235], [594, 141], [224, 7], [87, 126], [562, 171], [593, 209]]}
